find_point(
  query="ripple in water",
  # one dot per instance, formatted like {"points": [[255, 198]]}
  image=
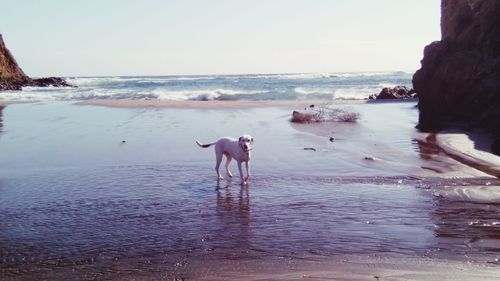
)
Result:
{"points": [[113, 221]]}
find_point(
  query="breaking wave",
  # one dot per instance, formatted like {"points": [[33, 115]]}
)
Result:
{"points": [[220, 87]]}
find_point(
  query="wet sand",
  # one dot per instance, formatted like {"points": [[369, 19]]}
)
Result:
{"points": [[212, 104], [94, 192]]}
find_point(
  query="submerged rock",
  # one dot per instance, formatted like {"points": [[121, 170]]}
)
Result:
{"points": [[459, 80], [13, 78]]}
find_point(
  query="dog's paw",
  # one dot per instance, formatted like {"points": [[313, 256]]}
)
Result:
{"points": [[220, 178], [230, 175], [247, 177]]}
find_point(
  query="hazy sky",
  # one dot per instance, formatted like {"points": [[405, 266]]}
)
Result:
{"points": [[160, 37]]}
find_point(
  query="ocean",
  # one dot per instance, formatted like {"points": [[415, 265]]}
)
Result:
{"points": [[355, 85]]}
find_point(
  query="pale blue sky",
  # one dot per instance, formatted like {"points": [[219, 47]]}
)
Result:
{"points": [[154, 37]]}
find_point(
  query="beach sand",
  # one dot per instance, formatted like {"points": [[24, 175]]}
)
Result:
{"points": [[118, 190], [470, 148]]}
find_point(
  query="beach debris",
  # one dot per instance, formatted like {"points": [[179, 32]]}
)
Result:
{"points": [[369, 158], [310, 148], [124, 141], [332, 139], [305, 117], [324, 113]]}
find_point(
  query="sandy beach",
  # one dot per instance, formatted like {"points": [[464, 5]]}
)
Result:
{"points": [[118, 190]]}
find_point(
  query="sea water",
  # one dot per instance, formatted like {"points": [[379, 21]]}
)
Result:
{"points": [[357, 85], [106, 193]]}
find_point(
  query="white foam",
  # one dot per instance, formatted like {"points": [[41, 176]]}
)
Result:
{"points": [[172, 87], [209, 94], [310, 91], [476, 194], [319, 75], [355, 93]]}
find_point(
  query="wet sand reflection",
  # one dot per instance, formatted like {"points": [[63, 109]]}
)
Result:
{"points": [[234, 216], [473, 228]]}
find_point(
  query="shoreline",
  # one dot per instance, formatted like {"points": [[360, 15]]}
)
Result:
{"points": [[211, 104], [352, 267], [471, 148], [456, 146], [228, 104]]}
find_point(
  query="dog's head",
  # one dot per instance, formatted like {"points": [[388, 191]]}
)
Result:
{"points": [[246, 142]]}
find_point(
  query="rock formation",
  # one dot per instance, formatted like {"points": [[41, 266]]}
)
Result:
{"points": [[12, 76], [459, 80], [398, 92]]}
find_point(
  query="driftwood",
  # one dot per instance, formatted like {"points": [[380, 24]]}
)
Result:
{"points": [[322, 114]]}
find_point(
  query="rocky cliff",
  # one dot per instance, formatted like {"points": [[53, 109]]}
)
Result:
{"points": [[459, 80], [12, 76]]}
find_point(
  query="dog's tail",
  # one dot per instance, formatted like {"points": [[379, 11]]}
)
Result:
{"points": [[204, 145]]}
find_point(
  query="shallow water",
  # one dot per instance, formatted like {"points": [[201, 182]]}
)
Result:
{"points": [[121, 219], [77, 202]]}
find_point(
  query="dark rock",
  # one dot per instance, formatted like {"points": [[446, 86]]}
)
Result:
{"points": [[9, 70], [459, 80], [495, 146], [398, 92], [10, 85], [12, 77], [332, 139], [49, 81]]}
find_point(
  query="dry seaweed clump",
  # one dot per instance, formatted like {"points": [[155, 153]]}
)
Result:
{"points": [[323, 114]]}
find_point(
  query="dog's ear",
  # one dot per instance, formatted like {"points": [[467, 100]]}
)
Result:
{"points": [[239, 140]]}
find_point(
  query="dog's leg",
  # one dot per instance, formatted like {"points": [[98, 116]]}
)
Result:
{"points": [[241, 173], [247, 165], [218, 160], [228, 160]]}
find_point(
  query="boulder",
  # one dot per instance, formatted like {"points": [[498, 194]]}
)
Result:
{"points": [[398, 92], [459, 78]]}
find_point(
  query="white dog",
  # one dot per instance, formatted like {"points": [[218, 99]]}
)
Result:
{"points": [[232, 148]]}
